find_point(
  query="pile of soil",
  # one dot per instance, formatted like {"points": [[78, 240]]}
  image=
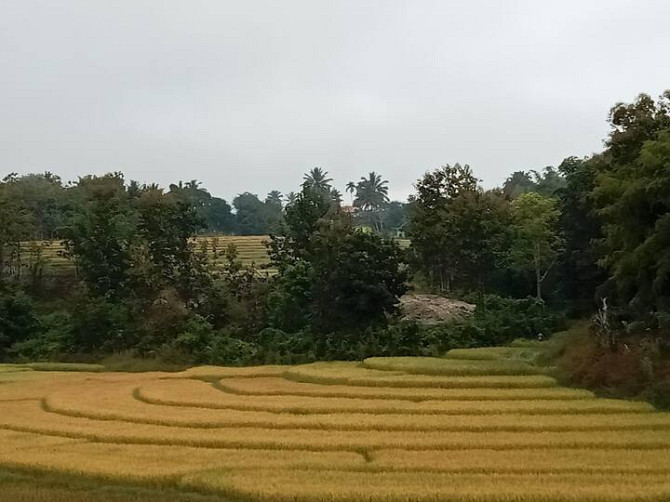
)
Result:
{"points": [[433, 309]]}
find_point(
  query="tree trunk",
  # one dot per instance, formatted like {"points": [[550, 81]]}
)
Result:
{"points": [[538, 276]]}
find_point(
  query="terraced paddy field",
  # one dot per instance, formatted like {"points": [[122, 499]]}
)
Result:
{"points": [[481, 425], [251, 249]]}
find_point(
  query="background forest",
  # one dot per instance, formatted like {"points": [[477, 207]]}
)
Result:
{"points": [[589, 238]]}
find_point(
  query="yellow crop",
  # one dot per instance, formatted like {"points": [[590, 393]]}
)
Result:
{"points": [[450, 367], [354, 374], [282, 387], [516, 461], [333, 485], [494, 353], [397, 429], [199, 394]]}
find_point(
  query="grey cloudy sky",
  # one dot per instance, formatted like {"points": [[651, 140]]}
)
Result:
{"points": [[248, 95]]}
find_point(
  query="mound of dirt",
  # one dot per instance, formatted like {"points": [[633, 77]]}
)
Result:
{"points": [[433, 309]]}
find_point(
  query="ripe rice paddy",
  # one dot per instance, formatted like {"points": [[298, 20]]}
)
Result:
{"points": [[480, 429], [250, 248]]}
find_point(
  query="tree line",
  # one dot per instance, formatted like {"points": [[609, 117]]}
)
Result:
{"points": [[47, 204], [591, 233]]}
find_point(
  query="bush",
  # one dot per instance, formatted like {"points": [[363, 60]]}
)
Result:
{"points": [[226, 350], [634, 368], [500, 320], [17, 319], [54, 339], [103, 325]]}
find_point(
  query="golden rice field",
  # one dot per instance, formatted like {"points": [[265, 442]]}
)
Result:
{"points": [[251, 249], [480, 425]]}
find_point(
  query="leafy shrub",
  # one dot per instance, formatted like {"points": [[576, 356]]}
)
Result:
{"points": [[54, 339], [226, 350], [103, 325], [501, 320], [17, 318]]}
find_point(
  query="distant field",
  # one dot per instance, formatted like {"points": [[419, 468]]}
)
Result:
{"points": [[477, 425], [251, 249]]}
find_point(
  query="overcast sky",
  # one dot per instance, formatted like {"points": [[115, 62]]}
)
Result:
{"points": [[248, 95]]}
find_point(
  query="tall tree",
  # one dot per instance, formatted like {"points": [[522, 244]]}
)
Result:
{"points": [[546, 182], [290, 198], [214, 212], [371, 197], [274, 197], [431, 228], [549, 181], [581, 227], [273, 210], [394, 216], [43, 197], [335, 197], [331, 275], [371, 192], [317, 180], [536, 242], [101, 233], [251, 214], [218, 217], [351, 189], [15, 227], [518, 183], [632, 197]]}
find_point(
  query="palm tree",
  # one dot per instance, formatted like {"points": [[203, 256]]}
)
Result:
{"points": [[336, 197], [291, 197], [274, 198], [371, 196], [192, 185], [371, 192], [351, 188], [316, 180]]}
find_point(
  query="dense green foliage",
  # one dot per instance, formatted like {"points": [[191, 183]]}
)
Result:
{"points": [[592, 232], [332, 276]]}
